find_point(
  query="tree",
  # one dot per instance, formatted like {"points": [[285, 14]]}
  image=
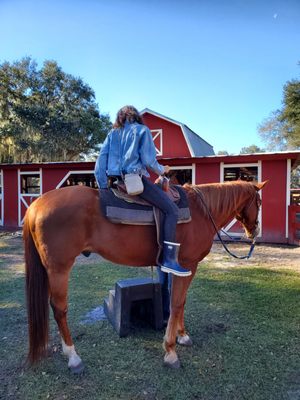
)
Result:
{"points": [[222, 153], [291, 112], [295, 178], [273, 132], [46, 114], [281, 130], [251, 149]]}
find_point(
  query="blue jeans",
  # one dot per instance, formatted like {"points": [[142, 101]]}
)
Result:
{"points": [[169, 210]]}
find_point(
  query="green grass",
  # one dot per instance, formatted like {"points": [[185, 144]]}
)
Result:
{"points": [[244, 323]]}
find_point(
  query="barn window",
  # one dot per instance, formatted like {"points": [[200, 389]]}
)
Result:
{"points": [[244, 173], [79, 178], [30, 184], [0, 184], [180, 176]]}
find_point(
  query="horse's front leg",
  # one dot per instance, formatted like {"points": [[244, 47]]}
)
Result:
{"points": [[171, 359], [175, 324], [182, 337], [58, 282]]}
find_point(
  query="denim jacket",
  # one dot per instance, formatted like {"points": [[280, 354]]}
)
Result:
{"points": [[127, 150]]}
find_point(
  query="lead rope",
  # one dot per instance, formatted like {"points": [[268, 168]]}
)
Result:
{"points": [[219, 236]]}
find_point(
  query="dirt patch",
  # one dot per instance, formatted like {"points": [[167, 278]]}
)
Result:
{"points": [[264, 255]]}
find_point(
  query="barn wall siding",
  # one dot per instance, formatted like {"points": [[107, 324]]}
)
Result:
{"points": [[174, 144], [51, 177], [207, 173], [274, 201]]}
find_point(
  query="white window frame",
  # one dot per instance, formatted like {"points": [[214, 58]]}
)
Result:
{"points": [[2, 197], [26, 198], [71, 173], [158, 133], [259, 174], [181, 167]]}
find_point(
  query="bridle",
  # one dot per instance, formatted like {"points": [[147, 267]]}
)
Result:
{"points": [[239, 215], [241, 219]]}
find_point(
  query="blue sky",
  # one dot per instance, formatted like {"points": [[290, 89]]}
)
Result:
{"points": [[217, 66]]}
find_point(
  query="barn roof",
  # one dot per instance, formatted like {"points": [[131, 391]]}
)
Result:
{"points": [[293, 155], [198, 147]]}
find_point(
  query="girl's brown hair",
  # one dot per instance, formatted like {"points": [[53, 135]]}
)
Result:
{"points": [[127, 113]]}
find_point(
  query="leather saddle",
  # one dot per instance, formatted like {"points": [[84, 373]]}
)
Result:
{"points": [[117, 206]]}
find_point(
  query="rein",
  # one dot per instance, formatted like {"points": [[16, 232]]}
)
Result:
{"points": [[218, 233]]}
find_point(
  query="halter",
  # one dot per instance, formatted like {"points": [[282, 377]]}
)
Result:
{"points": [[217, 231]]}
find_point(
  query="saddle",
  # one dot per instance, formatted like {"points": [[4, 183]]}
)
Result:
{"points": [[120, 208]]}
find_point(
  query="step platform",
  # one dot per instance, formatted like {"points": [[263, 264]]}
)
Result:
{"points": [[132, 301]]}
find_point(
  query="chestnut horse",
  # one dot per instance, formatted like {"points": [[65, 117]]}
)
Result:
{"points": [[65, 222]]}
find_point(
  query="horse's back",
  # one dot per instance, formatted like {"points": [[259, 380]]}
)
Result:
{"points": [[70, 194], [62, 206]]}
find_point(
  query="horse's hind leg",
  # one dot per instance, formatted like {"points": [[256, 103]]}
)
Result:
{"points": [[58, 282]]}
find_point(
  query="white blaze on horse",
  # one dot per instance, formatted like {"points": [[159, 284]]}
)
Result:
{"points": [[63, 223]]}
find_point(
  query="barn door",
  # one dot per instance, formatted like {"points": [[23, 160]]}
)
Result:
{"points": [[247, 172], [29, 189]]}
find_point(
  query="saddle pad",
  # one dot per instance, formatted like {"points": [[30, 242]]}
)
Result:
{"points": [[120, 211]]}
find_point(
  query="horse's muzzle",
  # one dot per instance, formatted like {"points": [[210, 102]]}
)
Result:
{"points": [[253, 235]]}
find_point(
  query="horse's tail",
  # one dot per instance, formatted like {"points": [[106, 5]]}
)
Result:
{"points": [[37, 295]]}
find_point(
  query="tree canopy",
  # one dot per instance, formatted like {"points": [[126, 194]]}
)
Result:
{"points": [[281, 130], [253, 148], [47, 114]]}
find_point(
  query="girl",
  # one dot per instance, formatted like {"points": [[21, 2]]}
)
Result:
{"points": [[129, 148]]}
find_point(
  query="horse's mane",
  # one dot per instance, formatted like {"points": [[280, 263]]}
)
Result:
{"points": [[219, 197]]}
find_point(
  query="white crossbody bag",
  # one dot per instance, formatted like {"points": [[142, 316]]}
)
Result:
{"points": [[134, 184]]}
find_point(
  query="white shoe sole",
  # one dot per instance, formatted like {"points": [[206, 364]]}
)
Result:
{"points": [[172, 271]]}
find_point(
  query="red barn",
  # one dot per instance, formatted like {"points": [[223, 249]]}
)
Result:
{"points": [[191, 159], [174, 139]]}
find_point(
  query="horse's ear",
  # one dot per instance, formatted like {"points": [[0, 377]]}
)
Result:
{"points": [[259, 186]]}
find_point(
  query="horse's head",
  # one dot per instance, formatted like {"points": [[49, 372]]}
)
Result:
{"points": [[248, 215]]}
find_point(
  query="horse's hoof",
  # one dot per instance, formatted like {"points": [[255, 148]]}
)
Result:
{"points": [[171, 360], [184, 341], [78, 369], [174, 365]]}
